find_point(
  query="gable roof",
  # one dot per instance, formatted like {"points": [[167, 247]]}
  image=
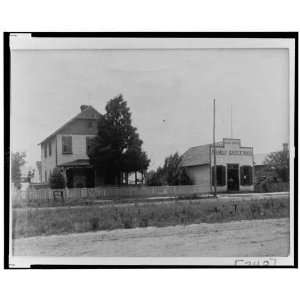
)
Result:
{"points": [[88, 113], [196, 156]]}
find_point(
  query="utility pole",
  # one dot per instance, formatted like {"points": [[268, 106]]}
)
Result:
{"points": [[214, 147], [231, 129]]}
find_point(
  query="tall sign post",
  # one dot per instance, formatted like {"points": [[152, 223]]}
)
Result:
{"points": [[214, 147]]}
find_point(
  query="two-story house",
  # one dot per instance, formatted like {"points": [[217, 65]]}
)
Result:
{"points": [[67, 149]]}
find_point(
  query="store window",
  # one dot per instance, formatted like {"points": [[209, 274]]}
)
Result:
{"points": [[221, 175], [67, 145], [246, 175]]}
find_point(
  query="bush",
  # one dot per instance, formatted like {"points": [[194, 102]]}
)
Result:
{"points": [[57, 180]]}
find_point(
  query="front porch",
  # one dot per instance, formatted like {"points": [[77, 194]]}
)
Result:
{"points": [[79, 174]]}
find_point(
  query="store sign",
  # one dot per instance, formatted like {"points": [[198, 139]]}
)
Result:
{"points": [[233, 152]]}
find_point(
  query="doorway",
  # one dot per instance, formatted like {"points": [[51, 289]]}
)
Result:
{"points": [[233, 178]]}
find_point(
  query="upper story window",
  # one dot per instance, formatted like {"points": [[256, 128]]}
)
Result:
{"points": [[246, 175], [45, 150], [221, 175], [88, 143], [90, 124], [67, 144], [50, 149]]}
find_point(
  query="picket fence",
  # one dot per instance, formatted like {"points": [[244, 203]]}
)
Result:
{"points": [[105, 193]]}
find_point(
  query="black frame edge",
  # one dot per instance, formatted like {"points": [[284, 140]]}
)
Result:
{"points": [[6, 80]]}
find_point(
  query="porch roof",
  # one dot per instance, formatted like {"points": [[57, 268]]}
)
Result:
{"points": [[76, 163]]}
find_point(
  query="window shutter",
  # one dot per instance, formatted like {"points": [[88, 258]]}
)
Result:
{"points": [[246, 175], [250, 182], [220, 175], [223, 175], [242, 175]]}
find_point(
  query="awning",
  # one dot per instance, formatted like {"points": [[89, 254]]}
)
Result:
{"points": [[78, 163]]}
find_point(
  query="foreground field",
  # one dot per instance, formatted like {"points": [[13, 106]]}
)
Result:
{"points": [[61, 220], [268, 237]]}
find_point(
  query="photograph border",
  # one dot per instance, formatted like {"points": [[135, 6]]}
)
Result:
{"points": [[7, 94]]}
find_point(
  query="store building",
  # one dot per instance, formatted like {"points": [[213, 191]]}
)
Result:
{"points": [[234, 166]]}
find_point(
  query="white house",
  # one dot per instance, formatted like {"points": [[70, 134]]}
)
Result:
{"points": [[67, 147]]}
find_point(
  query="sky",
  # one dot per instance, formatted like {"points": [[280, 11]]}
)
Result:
{"points": [[169, 92]]}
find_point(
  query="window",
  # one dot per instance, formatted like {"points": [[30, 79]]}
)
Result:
{"points": [[46, 176], [246, 175], [90, 124], [88, 143], [45, 150], [221, 178], [50, 149], [67, 145]]}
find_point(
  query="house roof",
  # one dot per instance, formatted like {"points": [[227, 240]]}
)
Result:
{"points": [[88, 112], [196, 156]]}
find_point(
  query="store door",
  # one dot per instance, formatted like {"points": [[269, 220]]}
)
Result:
{"points": [[233, 178]]}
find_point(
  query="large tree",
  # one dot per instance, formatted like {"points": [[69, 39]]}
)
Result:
{"points": [[170, 174], [17, 161], [280, 162], [117, 148]]}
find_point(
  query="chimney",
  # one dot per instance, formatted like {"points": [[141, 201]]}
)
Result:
{"points": [[83, 107], [285, 146]]}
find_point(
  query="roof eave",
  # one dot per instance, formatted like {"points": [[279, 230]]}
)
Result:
{"points": [[67, 123]]}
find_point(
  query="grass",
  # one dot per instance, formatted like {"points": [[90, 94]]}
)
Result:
{"points": [[47, 221]]}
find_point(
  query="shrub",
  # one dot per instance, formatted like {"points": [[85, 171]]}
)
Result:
{"points": [[57, 180]]}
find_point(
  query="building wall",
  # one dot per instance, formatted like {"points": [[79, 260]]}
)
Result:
{"points": [[49, 162], [200, 175], [78, 148]]}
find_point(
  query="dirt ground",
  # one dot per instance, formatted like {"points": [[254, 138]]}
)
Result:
{"points": [[269, 237]]}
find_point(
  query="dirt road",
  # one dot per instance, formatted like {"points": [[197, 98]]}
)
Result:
{"points": [[268, 237]]}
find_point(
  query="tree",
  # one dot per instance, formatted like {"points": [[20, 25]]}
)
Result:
{"points": [[170, 174], [57, 180], [280, 162], [17, 161], [117, 147], [156, 178]]}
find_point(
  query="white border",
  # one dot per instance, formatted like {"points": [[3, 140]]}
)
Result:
{"points": [[26, 42]]}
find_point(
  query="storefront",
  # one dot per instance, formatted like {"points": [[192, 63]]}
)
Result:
{"points": [[234, 166]]}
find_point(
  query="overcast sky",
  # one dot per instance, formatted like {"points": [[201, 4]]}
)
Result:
{"points": [[169, 92]]}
